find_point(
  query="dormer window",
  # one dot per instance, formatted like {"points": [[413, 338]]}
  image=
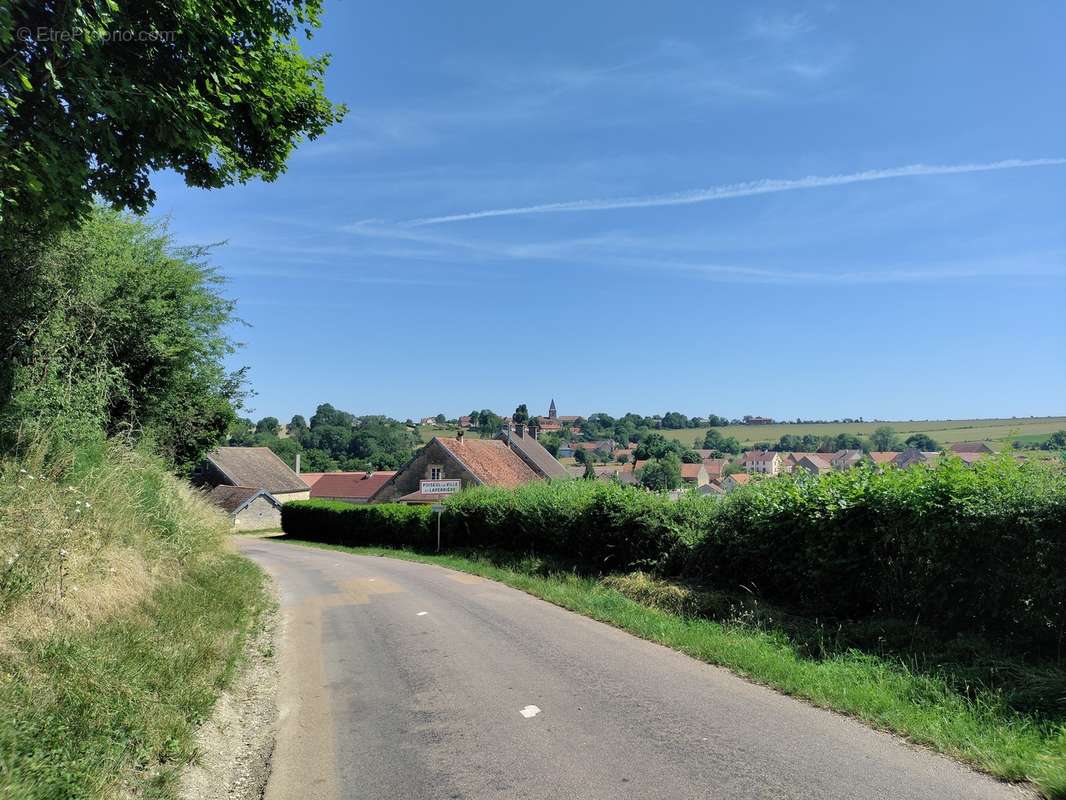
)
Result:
{"points": [[436, 472]]}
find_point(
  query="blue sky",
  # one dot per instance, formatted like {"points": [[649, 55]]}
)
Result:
{"points": [[809, 210]]}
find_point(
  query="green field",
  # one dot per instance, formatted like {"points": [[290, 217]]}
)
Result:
{"points": [[944, 431]]}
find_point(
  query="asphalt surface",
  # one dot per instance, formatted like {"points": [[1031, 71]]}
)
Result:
{"points": [[404, 680]]}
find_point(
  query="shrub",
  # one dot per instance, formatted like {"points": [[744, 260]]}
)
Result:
{"points": [[960, 550], [978, 549], [334, 522]]}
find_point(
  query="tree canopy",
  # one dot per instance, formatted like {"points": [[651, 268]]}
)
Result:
{"points": [[132, 342], [96, 96]]}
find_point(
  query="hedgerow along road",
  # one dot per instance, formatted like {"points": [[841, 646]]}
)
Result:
{"points": [[407, 680]]}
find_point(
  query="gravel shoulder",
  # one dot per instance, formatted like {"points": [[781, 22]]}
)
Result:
{"points": [[235, 745]]}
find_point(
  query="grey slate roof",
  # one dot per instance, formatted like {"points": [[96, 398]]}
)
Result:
{"points": [[533, 453], [232, 499], [256, 466]]}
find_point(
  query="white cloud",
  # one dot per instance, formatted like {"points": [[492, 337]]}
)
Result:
{"points": [[734, 190], [781, 27]]}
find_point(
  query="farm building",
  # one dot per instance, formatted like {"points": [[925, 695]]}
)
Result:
{"points": [[249, 509], [349, 487], [252, 467]]}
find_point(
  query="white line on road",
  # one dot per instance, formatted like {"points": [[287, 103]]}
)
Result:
{"points": [[529, 711], [422, 613]]}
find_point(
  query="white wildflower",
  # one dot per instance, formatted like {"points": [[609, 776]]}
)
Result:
{"points": [[62, 552], [88, 504], [22, 472]]}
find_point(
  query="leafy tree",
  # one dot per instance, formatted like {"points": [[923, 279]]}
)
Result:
{"points": [[550, 442], [520, 415], [691, 457], [922, 441], [661, 474], [269, 425], [326, 414], [715, 421], [298, 427], [440, 419], [1057, 441], [133, 341], [590, 470], [489, 423], [674, 420], [714, 440], [220, 95], [884, 438]]}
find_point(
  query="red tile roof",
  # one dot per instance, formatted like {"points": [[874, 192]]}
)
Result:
{"points": [[491, 461], [310, 477], [691, 471], [350, 485]]}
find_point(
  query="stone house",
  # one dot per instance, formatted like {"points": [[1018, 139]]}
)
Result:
{"points": [[764, 462], [814, 463], [249, 509], [971, 447], [471, 462], [694, 475]]}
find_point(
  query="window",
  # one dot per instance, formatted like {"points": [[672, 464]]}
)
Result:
{"points": [[436, 472]]}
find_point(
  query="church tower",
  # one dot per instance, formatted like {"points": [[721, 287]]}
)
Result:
{"points": [[552, 414]]}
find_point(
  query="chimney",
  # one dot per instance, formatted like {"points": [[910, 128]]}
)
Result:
{"points": [[297, 463], [520, 429], [533, 431]]}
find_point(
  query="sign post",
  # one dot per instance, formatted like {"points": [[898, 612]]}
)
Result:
{"points": [[438, 508], [442, 487]]}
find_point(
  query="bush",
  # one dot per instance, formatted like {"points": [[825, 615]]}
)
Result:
{"points": [[978, 549], [596, 525], [334, 522]]}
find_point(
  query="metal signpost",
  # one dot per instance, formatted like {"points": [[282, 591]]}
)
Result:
{"points": [[438, 509]]}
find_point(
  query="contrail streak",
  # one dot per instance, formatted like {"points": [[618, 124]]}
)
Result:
{"points": [[746, 189]]}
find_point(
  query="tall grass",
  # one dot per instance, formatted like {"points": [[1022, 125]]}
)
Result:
{"points": [[121, 616]]}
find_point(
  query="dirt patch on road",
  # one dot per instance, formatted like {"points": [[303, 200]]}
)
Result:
{"points": [[235, 745]]}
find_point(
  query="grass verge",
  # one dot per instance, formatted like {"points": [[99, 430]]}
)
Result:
{"points": [[980, 729], [113, 709]]}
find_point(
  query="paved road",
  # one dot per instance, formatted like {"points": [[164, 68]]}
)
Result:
{"points": [[403, 680]]}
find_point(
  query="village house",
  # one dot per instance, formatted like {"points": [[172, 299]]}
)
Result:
{"points": [[714, 467], [731, 482], [883, 458], [845, 459], [712, 488], [248, 509], [510, 460], [694, 475], [465, 421], [912, 456], [349, 487], [813, 463], [971, 447], [253, 468], [765, 462]]}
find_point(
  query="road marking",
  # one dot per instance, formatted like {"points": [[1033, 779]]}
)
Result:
{"points": [[529, 711], [422, 613]]}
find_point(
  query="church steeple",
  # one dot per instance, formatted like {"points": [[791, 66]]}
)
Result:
{"points": [[551, 410]]}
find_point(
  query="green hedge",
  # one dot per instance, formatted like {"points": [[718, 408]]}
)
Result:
{"points": [[599, 526], [332, 522], [978, 550]]}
